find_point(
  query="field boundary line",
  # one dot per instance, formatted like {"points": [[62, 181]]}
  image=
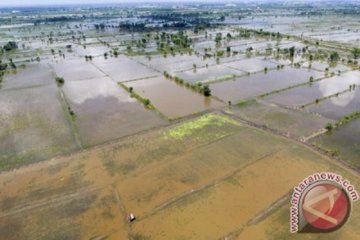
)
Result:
{"points": [[211, 184], [51, 202]]}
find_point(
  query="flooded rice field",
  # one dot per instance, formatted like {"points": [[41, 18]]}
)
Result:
{"points": [[175, 63], [33, 126], [122, 69], [251, 65], [338, 106], [171, 99], [299, 96], [31, 76], [209, 74], [323, 66], [260, 83], [73, 70], [343, 142], [105, 112], [297, 124]]}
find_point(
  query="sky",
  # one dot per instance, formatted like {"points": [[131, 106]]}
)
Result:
{"points": [[56, 2], [51, 2]]}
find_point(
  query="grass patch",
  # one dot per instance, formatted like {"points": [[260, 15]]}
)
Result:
{"points": [[346, 119], [246, 103], [187, 129], [145, 101]]}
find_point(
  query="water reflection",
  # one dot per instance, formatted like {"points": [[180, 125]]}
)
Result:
{"points": [[338, 84], [344, 99], [80, 91]]}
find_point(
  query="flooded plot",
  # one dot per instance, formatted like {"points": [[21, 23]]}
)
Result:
{"points": [[322, 66], [299, 96], [73, 70], [343, 141], [33, 131], [209, 74], [251, 65], [337, 107], [256, 45], [105, 112], [175, 63], [280, 61], [289, 44], [260, 83], [171, 99], [92, 50], [31, 76], [294, 123], [122, 69], [200, 46]]}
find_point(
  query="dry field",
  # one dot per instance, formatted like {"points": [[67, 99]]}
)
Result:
{"points": [[206, 178]]}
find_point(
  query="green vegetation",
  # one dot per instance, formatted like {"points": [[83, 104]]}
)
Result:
{"points": [[88, 57], [199, 87], [60, 81], [334, 57], [171, 43], [246, 103], [145, 101], [329, 127], [206, 91], [72, 113], [10, 46], [188, 128], [3, 67], [356, 53], [346, 119], [292, 52]]}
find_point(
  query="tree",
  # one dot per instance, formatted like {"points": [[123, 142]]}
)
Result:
{"points": [[3, 66], [12, 64], [218, 38], [10, 46], [249, 49], [292, 51], [334, 57], [356, 52], [206, 91], [59, 81], [147, 102], [329, 127]]}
